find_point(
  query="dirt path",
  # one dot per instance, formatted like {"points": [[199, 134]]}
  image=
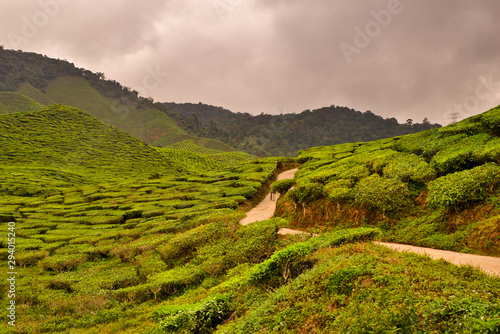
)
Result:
{"points": [[488, 264], [265, 209]]}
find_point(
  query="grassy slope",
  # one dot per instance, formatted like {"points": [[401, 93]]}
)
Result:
{"points": [[220, 157], [67, 137], [11, 102], [35, 94], [437, 188], [165, 253]]}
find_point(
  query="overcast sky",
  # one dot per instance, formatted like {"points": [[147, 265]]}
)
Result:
{"points": [[403, 59]]}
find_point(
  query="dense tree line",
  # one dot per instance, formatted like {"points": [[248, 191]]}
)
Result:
{"points": [[286, 134], [17, 67]]}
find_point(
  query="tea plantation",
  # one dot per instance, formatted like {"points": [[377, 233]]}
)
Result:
{"points": [[438, 188], [115, 236]]}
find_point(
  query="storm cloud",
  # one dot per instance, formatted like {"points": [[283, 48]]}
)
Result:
{"points": [[397, 58]]}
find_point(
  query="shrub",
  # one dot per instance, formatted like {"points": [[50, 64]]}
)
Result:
{"points": [[308, 192], [282, 265], [136, 294], [169, 282], [407, 167], [254, 242], [29, 258], [282, 186], [342, 281], [460, 188], [345, 236], [460, 156], [202, 317], [491, 119], [339, 190], [184, 244], [382, 193], [62, 262]]}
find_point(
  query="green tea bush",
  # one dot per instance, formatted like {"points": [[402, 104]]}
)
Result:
{"points": [[342, 281], [308, 192], [406, 167], [62, 262], [30, 258], [381, 159], [458, 156], [346, 236], [202, 317], [282, 265], [344, 169], [282, 186], [460, 188], [339, 190], [247, 192], [491, 120], [137, 293], [171, 281], [184, 244], [382, 193], [254, 243]]}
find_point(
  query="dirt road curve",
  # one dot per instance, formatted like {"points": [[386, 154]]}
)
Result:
{"points": [[265, 209], [488, 264]]}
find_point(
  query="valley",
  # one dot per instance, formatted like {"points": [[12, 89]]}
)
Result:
{"points": [[128, 220]]}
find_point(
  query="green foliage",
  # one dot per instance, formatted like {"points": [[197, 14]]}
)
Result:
{"points": [[460, 188], [282, 265], [382, 193], [409, 167], [339, 190], [342, 282], [282, 186], [307, 192], [15, 102], [345, 236], [30, 258], [368, 288], [176, 279], [202, 317], [62, 262], [467, 152], [254, 243]]}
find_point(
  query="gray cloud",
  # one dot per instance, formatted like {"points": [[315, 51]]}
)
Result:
{"points": [[425, 60]]}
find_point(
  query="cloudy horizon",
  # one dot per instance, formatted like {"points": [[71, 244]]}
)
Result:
{"points": [[402, 59]]}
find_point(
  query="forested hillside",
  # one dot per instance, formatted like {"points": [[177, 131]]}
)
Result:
{"points": [[48, 81], [286, 134]]}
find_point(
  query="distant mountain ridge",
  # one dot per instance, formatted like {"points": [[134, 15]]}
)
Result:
{"points": [[287, 134], [48, 81]]}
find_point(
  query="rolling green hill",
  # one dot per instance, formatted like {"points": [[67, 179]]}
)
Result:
{"points": [[11, 102], [66, 137]]}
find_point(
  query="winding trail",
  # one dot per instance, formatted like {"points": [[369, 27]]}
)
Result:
{"points": [[265, 210]]}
